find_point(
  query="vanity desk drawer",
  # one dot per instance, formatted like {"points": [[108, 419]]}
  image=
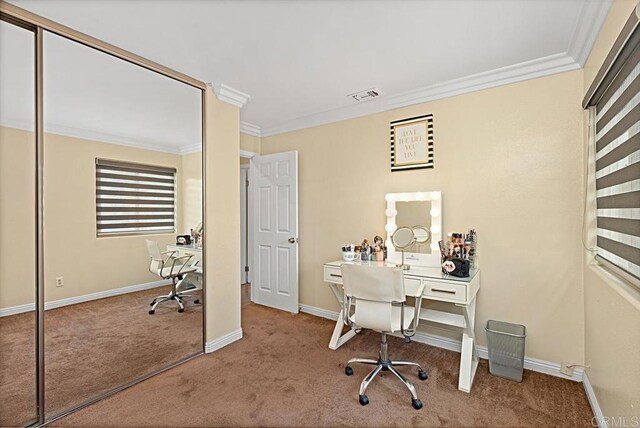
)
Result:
{"points": [[332, 274], [445, 291]]}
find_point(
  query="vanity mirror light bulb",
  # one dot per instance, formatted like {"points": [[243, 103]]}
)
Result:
{"points": [[404, 196], [390, 228], [421, 196], [434, 212], [435, 228], [391, 213], [435, 196], [389, 197]]}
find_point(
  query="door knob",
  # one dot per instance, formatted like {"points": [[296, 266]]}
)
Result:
{"points": [[293, 240]]}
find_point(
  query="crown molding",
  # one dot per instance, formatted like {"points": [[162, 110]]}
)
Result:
{"points": [[193, 148], [545, 66], [250, 129], [103, 137], [247, 154], [232, 96], [590, 20]]}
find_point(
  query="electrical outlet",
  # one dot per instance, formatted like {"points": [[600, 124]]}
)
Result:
{"points": [[59, 281], [566, 369]]}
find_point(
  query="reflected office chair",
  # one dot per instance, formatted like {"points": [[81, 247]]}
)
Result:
{"points": [[167, 266], [377, 295]]}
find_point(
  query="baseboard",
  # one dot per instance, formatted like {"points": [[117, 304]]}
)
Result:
{"points": [[223, 341], [593, 401], [322, 313], [13, 310], [530, 363]]}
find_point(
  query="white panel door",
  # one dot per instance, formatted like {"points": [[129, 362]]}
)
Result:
{"points": [[273, 206]]}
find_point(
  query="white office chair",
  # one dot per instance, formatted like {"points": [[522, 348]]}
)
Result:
{"points": [[377, 294], [166, 266]]}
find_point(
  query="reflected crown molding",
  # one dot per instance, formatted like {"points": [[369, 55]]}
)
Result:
{"points": [[103, 137], [193, 148], [230, 95], [184, 149]]}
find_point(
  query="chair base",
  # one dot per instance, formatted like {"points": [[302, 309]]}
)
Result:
{"points": [[178, 297], [383, 363]]}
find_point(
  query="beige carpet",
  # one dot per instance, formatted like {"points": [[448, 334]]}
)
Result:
{"points": [[92, 348], [282, 374]]}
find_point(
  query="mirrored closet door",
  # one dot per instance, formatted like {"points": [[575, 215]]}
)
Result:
{"points": [[123, 181], [101, 219], [18, 362]]}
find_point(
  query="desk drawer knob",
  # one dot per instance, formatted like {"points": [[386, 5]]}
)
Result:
{"points": [[336, 275]]}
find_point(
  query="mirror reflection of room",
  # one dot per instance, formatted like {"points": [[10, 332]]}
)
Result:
{"points": [[18, 406], [416, 213], [123, 231]]}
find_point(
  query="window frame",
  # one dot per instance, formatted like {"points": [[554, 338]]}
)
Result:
{"points": [[616, 59], [144, 169]]}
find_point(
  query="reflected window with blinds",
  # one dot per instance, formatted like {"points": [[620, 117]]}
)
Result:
{"points": [[617, 141], [133, 198]]}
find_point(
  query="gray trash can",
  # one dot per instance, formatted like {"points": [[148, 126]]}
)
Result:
{"points": [[506, 349]]}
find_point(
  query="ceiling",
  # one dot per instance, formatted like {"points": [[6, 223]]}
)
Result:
{"points": [[298, 60]]}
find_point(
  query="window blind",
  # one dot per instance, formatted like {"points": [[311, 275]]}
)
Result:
{"points": [[134, 198], [617, 132]]}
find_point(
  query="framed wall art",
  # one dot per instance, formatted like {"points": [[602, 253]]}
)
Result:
{"points": [[412, 143]]}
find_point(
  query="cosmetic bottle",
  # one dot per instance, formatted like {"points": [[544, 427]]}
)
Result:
{"points": [[364, 253]]}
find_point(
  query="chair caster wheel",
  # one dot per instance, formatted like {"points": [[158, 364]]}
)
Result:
{"points": [[181, 310], [422, 375], [417, 404], [151, 312], [364, 400], [407, 340], [152, 303], [348, 371], [196, 301]]}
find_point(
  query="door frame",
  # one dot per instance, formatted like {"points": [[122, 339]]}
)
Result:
{"points": [[249, 155]]}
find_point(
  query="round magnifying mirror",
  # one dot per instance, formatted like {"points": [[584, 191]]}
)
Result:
{"points": [[403, 238], [421, 233]]}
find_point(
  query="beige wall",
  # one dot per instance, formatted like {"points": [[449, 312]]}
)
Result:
{"points": [[87, 263], [191, 167], [17, 217], [508, 161], [222, 239], [249, 143], [612, 309]]}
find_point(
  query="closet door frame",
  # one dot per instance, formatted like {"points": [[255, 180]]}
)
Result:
{"points": [[38, 25]]}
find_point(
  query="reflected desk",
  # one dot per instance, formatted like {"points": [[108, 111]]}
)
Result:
{"points": [[456, 292], [196, 260]]}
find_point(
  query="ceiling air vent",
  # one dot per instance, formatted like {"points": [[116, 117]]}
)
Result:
{"points": [[366, 95]]}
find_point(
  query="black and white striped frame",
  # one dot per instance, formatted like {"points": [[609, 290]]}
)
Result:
{"points": [[428, 119]]}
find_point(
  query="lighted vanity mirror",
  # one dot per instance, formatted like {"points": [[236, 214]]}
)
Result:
{"points": [[416, 215], [421, 212]]}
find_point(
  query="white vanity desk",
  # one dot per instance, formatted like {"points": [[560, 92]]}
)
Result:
{"points": [[196, 260], [461, 292]]}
